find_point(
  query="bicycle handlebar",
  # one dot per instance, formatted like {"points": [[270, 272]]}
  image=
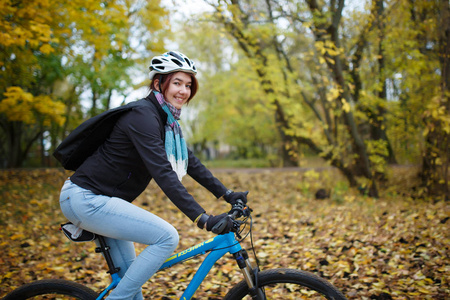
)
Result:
{"points": [[239, 209]]}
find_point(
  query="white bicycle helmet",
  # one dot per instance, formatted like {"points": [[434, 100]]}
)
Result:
{"points": [[170, 62]]}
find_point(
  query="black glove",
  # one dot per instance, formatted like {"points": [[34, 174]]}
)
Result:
{"points": [[231, 197], [220, 224]]}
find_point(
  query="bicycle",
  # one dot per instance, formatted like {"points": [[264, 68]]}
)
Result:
{"points": [[268, 284]]}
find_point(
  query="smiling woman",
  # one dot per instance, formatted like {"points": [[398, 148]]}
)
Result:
{"points": [[164, 67], [145, 143], [178, 88]]}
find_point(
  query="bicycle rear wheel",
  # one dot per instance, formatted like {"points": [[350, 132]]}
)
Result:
{"points": [[288, 284], [52, 289]]}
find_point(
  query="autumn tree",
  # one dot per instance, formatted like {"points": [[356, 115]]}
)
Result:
{"points": [[238, 19], [432, 21], [271, 52], [417, 120], [346, 83], [124, 33], [229, 107], [26, 107], [55, 51]]}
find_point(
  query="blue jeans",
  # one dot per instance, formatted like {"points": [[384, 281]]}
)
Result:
{"points": [[122, 223]]}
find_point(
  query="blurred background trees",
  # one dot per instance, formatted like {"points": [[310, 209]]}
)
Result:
{"points": [[360, 84], [55, 55]]}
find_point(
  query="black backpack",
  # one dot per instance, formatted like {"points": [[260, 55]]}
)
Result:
{"points": [[86, 138]]}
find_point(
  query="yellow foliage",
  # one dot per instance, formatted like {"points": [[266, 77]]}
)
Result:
{"points": [[333, 93], [54, 110], [46, 49], [327, 48], [17, 105], [437, 110], [26, 23], [345, 105], [378, 151], [20, 106]]}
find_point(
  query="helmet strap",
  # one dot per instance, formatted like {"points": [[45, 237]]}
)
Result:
{"points": [[159, 83]]}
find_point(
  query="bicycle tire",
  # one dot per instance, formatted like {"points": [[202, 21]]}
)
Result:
{"points": [[52, 289], [290, 284]]}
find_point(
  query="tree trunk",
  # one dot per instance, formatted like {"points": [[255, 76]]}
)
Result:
{"points": [[336, 67], [14, 134], [435, 166], [94, 104], [377, 117], [108, 99]]}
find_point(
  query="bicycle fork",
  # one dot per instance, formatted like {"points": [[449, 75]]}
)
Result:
{"points": [[250, 275]]}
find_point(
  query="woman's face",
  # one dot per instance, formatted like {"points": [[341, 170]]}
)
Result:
{"points": [[179, 89]]}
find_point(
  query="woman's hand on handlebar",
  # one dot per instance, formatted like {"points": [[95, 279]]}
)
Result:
{"points": [[224, 223], [220, 224], [232, 197]]}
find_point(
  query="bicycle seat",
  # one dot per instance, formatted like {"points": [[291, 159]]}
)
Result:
{"points": [[77, 234]]}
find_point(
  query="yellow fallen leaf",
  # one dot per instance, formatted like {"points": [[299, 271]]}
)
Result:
{"points": [[17, 236]]}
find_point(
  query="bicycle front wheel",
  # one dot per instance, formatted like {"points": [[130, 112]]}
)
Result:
{"points": [[288, 284], [52, 289]]}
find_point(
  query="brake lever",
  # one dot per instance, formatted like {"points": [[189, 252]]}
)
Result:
{"points": [[236, 226], [240, 210]]}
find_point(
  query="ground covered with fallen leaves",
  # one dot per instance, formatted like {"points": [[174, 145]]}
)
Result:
{"points": [[395, 247]]}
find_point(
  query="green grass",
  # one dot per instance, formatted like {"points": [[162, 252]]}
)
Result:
{"points": [[237, 163], [306, 162]]}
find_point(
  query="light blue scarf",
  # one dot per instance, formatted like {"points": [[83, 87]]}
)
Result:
{"points": [[175, 144]]}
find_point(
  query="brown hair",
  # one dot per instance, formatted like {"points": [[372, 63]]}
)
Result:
{"points": [[165, 81]]}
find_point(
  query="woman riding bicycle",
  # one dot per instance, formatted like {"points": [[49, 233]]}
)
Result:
{"points": [[146, 142]]}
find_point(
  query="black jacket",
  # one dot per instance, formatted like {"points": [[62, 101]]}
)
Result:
{"points": [[134, 153]]}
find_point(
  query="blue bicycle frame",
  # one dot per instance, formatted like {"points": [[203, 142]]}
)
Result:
{"points": [[218, 246]]}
